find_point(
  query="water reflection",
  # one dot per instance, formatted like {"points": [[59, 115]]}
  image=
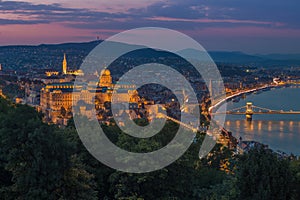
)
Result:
{"points": [[291, 126], [270, 126], [259, 126], [279, 135], [280, 132]]}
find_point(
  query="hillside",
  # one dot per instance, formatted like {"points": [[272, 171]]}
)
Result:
{"points": [[49, 56]]}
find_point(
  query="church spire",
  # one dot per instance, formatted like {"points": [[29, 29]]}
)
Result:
{"points": [[65, 65]]}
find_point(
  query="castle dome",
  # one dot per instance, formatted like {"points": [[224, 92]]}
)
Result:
{"points": [[106, 72]]}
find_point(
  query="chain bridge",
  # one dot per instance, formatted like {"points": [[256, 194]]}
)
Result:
{"points": [[249, 110]]}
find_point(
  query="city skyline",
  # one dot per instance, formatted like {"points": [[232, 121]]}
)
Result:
{"points": [[248, 26]]}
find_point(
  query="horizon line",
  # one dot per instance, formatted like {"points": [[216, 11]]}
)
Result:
{"points": [[101, 40]]}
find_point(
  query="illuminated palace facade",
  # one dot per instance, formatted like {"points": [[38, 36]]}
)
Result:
{"points": [[57, 98]]}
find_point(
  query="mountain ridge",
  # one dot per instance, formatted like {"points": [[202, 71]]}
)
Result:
{"points": [[50, 56]]}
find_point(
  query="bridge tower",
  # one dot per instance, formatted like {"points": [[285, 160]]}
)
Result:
{"points": [[249, 111]]}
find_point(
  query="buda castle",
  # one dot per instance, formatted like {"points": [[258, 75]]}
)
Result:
{"points": [[58, 98]]}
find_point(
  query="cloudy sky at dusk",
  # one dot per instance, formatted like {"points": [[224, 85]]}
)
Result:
{"points": [[252, 26]]}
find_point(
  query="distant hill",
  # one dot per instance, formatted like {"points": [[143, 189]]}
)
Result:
{"points": [[223, 57], [44, 56], [281, 56], [50, 56], [241, 58], [235, 57]]}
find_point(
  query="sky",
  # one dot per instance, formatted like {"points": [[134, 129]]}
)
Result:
{"points": [[250, 26]]}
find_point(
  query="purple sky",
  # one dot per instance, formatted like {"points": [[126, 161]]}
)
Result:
{"points": [[252, 26]]}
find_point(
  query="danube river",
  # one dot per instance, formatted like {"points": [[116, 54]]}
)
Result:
{"points": [[280, 132]]}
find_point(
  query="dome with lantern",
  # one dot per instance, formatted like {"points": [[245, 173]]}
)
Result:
{"points": [[105, 72], [105, 78]]}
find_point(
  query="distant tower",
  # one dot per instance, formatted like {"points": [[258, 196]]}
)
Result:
{"points": [[0, 67], [210, 88], [65, 65], [241, 85]]}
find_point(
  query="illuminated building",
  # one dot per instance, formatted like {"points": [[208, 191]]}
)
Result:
{"points": [[106, 79], [19, 100], [52, 73], [57, 98], [54, 98], [65, 70], [1, 93]]}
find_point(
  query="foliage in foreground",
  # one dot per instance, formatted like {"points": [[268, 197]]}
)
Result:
{"points": [[38, 161]]}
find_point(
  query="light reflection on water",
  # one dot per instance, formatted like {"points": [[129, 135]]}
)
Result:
{"points": [[280, 132]]}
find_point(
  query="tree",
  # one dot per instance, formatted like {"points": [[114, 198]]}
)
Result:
{"points": [[39, 159], [100, 172], [180, 180], [227, 190], [295, 168], [263, 175]]}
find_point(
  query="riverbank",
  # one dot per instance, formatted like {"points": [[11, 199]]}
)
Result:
{"points": [[278, 131], [217, 103], [257, 136]]}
